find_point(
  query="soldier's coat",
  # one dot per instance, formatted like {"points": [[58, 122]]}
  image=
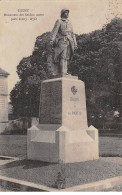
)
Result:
{"points": [[64, 39]]}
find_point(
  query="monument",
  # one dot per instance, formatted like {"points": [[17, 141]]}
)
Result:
{"points": [[3, 100], [62, 135]]}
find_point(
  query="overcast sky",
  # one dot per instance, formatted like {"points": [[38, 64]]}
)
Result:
{"points": [[17, 38]]}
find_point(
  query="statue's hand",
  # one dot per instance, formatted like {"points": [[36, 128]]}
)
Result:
{"points": [[76, 47], [51, 42]]}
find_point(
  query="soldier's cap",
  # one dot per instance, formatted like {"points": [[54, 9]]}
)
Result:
{"points": [[64, 10]]}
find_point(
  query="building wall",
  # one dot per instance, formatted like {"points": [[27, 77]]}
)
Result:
{"points": [[3, 85], [3, 108], [3, 102]]}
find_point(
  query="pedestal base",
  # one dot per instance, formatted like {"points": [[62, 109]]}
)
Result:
{"points": [[55, 143], [62, 135]]}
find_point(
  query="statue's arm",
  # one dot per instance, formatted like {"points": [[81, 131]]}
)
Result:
{"points": [[55, 30]]}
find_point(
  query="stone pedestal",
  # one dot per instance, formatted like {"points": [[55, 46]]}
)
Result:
{"points": [[62, 134]]}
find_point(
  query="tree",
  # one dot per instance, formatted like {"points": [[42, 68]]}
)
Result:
{"points": [[97, 62]]}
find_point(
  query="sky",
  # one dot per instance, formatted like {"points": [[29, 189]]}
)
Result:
{"points": [[17, 37]]}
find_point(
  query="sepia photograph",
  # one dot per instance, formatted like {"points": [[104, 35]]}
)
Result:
{"points": [[60, 96]]}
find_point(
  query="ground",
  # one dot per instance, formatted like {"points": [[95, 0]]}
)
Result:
{"points": [[73, 173], [109, 165]]}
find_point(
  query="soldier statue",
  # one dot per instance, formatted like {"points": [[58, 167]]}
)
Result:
{"points": [[63, 42]]}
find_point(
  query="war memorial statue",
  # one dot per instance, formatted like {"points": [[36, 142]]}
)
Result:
{"points": [[63, 42], [62, 135]]}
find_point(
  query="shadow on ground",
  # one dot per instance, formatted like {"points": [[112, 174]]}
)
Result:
{"points": [[27, 164]]}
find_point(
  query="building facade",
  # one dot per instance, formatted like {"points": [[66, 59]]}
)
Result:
{"points": [[3, 100]]}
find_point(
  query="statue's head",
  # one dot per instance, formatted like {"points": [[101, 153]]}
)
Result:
{"points": [[64, 13]]}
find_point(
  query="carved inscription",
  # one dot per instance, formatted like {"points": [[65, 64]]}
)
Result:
{"points": [[74, 99], [74, 113]]}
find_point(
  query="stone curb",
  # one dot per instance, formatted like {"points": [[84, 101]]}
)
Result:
{"points": [[20, 185], [9, 157], [97, 186]]}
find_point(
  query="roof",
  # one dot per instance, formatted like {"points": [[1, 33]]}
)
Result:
{"points": [[3, 72]]}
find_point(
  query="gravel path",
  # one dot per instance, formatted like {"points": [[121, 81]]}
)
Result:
{"points": [[71, 173]]}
